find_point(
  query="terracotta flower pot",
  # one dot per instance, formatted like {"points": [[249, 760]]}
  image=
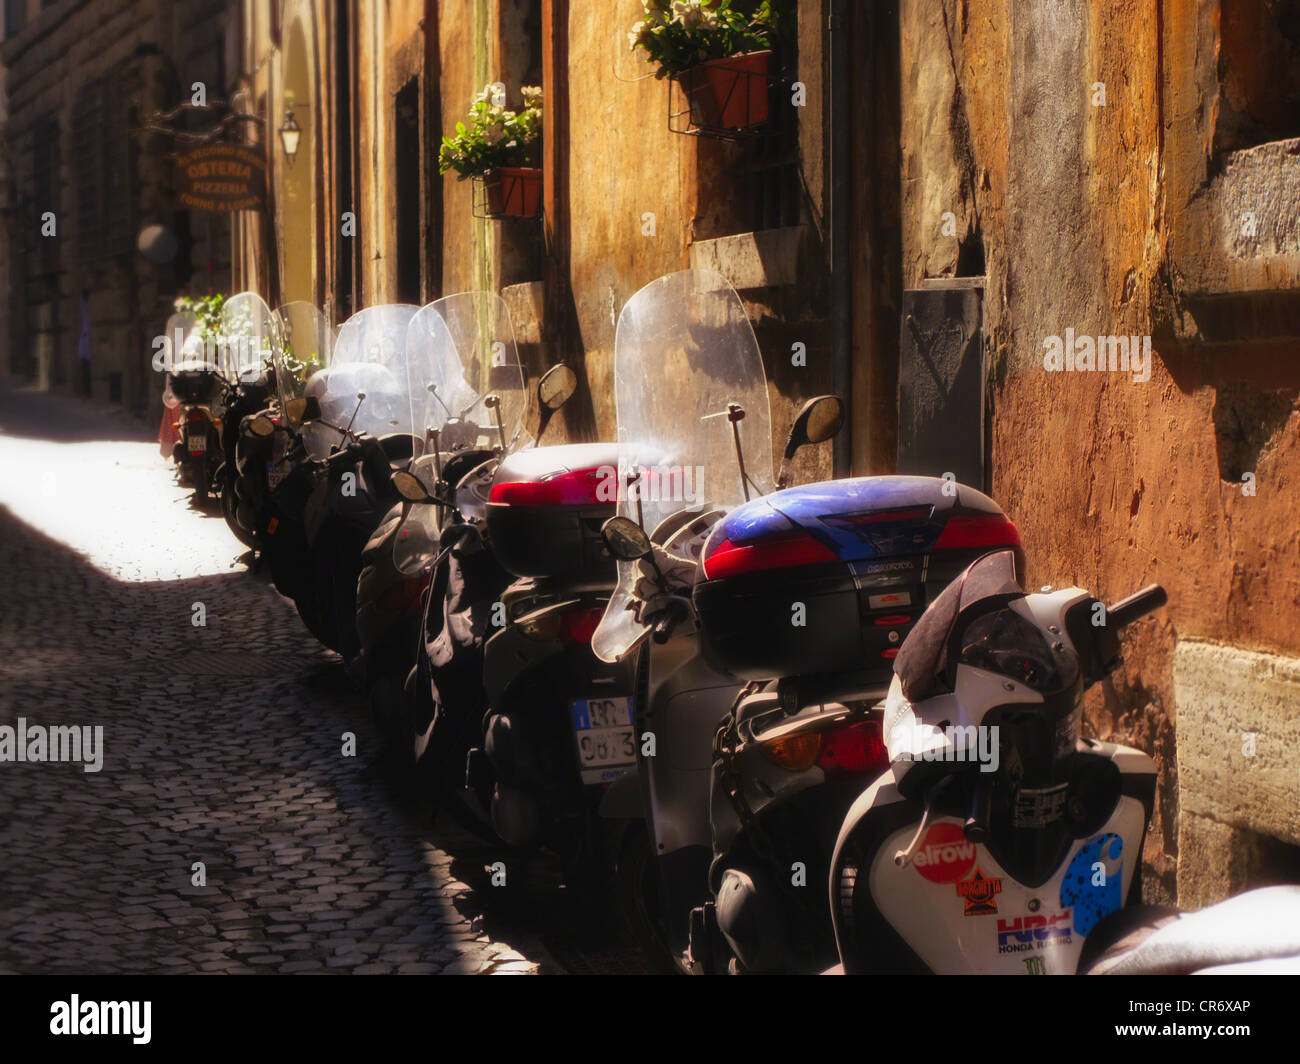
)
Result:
{"points": [[728, 93], [514, 191]]}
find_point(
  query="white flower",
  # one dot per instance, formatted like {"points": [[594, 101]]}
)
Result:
{"points": [[689, 13]]}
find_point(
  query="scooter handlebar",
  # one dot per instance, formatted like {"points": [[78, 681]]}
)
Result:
{"points": [[1136, 606], [663, 623]]}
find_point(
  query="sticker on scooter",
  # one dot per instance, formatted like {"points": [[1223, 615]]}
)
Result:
{"points": [[980, 894], [945, 854], [1025, 934], [1090, 886], [1039, 808]]}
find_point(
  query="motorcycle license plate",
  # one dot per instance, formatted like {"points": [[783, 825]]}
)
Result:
{"points": [[606, 742], [274, 474], [198, 443]]}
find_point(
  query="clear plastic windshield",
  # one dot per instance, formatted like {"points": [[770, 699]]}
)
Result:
{"points": [[176, 332], [467, 391], [304, 351], [306, 343], [484, 338], [685, 363], [248, 338], [365, 383]]}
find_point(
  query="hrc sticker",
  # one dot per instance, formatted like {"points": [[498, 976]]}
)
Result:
{"points": [[980, 894], [945, 854], [1025, 934], [1089, 885]]}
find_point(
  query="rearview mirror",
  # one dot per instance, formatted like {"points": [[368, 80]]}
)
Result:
{"points": [[301, 410], [554, 390], [410, 487], [625, 539], [556, 386], [819, 420], [261, 426]]}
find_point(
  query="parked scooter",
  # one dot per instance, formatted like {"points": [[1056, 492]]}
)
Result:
{"points": [[249, 339], [695, 441], [804, 593], [398, 560], [194, 389], [322, 514], [999, 839], [469, 413], [280, 438], [558, 728]]}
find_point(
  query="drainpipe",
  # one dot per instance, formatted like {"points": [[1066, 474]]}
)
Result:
{"points": [[838, 220]]}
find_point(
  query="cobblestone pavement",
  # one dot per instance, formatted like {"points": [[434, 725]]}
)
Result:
{"points": [[222, 744]]}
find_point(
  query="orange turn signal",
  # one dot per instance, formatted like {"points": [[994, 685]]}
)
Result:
{"points": [[796, 752]]}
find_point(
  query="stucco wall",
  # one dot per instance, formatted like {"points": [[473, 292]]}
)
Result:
{"points": [[1114, 483]]}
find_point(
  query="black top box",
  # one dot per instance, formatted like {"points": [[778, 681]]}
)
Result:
{"points": [[828, 578], [546, 509]]}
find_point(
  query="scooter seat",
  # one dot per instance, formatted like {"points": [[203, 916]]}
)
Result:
{"points": [[397, 445], [1255, 931]]}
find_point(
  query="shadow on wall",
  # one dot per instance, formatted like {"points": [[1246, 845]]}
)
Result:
{"points": [[1256, 390]]}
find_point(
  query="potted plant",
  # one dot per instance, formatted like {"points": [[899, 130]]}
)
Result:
{"points": [[501, 147], [719, 54]]}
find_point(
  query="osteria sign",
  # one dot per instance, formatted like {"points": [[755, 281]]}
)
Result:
{"points": [[221, 177]]}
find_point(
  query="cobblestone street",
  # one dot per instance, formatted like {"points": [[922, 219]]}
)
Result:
{"points": [[222, 744]]}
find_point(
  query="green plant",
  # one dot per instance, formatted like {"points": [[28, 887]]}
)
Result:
{"points": [[299, 368], [493, 135], [206, 311], [680, 34]]}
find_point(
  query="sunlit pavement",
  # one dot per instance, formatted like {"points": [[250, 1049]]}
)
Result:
{"points": [[226, 831]]}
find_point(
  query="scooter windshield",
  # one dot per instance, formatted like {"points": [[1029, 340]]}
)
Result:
{"points": [[688, 384], [467, 393], [248, 338], [304, 348], [489, 412], [178, 330], [365, 384]]}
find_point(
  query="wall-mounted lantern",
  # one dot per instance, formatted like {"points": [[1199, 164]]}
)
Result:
{"points": [[290, 135]]}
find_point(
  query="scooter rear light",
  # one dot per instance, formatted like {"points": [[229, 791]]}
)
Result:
{"points": [[578, 626], [978, 530], [196, 415], [574, 625], [780, 552], [580, 487], [855, 747]]}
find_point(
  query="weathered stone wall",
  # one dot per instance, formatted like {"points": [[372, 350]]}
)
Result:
{"points": [[149, 51], [1111, 216]]}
